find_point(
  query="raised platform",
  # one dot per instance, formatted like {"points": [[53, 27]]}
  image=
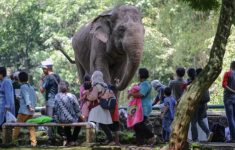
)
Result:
{"points": [[215, 146]]}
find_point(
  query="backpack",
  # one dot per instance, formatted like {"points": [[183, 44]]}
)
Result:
{"points": [[56, 81], [219, 133], [110, 102]]}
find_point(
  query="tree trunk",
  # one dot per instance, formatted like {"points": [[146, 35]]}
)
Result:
{"points": [[191, 97]]}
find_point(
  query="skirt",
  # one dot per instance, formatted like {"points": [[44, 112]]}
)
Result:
{"points": [[100, 115]]}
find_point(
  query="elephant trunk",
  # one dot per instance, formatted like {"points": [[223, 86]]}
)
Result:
{"points": [[134, 53]]}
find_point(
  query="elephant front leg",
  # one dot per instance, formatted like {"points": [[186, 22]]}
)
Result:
{"points": [[101, 64]]}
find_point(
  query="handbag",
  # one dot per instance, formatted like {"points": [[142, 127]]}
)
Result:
{"points": [[10, 117]]}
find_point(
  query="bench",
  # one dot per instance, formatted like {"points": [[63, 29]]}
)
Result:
{"points": [[6, 138]]}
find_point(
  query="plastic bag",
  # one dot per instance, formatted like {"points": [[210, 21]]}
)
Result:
{"points": [[40, 120], [10, 117]]}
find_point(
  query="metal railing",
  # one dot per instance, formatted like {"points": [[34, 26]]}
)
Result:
{"points": [[210, 106]]}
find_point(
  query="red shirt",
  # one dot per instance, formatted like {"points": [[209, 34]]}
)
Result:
{"points": [[226, 77]]}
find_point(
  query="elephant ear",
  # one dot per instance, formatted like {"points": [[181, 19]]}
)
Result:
{"points": [[101, 27]]}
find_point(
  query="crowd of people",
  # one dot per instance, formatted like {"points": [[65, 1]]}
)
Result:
{"points": [[98, 103]]}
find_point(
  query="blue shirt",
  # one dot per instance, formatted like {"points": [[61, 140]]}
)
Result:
{"points": [[6, 98], [27, 97], [145, 91], [170, 102]]}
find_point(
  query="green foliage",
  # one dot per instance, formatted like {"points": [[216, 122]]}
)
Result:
{"points": [[203, 4], [175, 35]]}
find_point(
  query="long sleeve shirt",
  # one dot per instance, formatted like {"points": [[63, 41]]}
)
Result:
{"points": [[27, 98], [6, 98], [66, 109]]}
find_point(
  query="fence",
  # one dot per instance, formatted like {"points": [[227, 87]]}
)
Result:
{"points": [[156, 107]]}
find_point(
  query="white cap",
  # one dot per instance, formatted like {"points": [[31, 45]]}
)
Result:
{"points": [[47, 63], [156, 83]]}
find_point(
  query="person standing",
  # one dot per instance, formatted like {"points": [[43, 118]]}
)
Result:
{"points": [[159, 87], [16, 87], [28, 100], [141, 130], [97, 113], [168, 114], [229, 99], [6, 95], [200, 112], [177, 86], [49, 86]]}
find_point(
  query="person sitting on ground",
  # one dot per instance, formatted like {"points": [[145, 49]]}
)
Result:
{"points": [[159, 87], [28, 100], [168, 114], [66, 110], [177, 85]]}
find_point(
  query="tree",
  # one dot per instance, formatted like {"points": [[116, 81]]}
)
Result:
{"points": [[20, 34], [191, 97]]}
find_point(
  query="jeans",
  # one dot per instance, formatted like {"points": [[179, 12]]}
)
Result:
{"points": [[142, 131], [229, 104], [166, 128], [198, 118], [16, 131], [49, 112]]}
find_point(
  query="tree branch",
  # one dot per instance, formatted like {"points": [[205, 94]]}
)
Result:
{"points": [[57, 45]]}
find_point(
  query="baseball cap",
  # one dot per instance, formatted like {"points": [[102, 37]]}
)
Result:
{"points": [[47, 63]]}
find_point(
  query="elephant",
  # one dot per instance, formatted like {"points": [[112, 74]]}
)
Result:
{"points": [[112, 43]]}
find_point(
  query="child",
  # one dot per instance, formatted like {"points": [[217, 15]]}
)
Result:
{"points": [[27, 106], [85, 104], [168, 114], [135, 110]]}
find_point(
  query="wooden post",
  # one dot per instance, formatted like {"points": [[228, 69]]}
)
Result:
{"points": [[89, 134], [4, 132], [6, 135]]}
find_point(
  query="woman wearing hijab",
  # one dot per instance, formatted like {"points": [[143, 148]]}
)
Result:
{"points": [[97, 113]]}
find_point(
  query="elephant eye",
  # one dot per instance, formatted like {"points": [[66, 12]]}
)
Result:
{"points": [[121, 29]]}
